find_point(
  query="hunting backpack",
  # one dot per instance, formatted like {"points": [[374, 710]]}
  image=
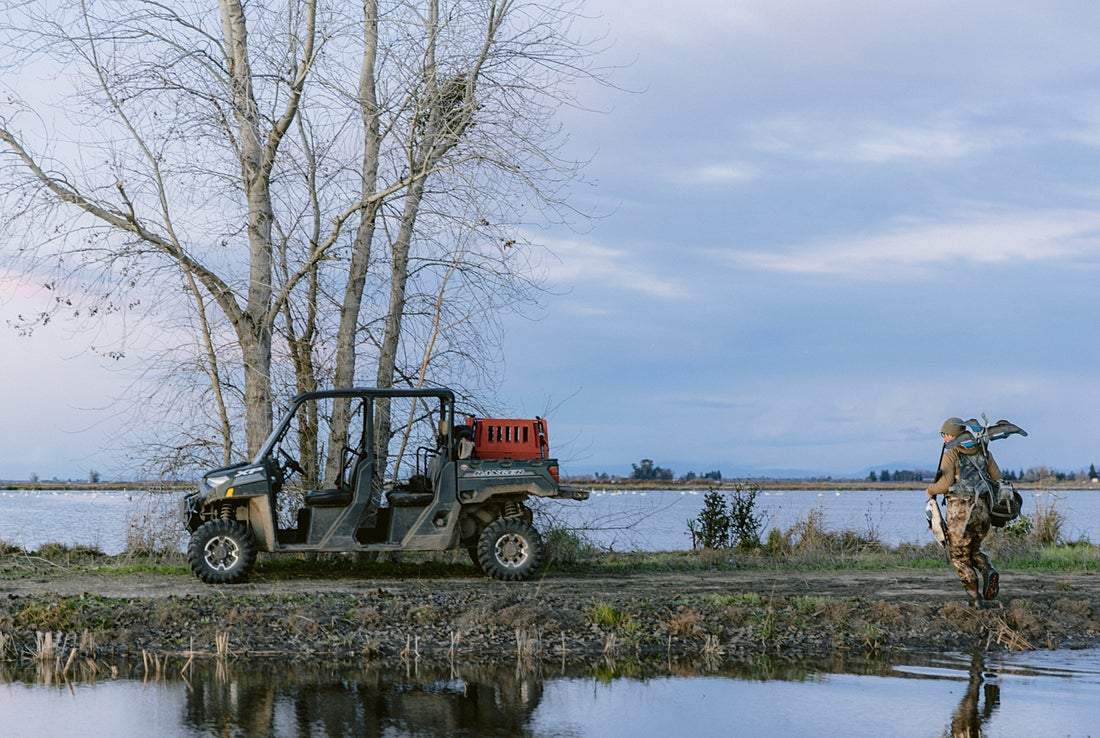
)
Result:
{"points": [[973, 479]]}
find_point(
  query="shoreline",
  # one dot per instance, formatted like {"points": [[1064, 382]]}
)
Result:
{"points": [[718, 614]]}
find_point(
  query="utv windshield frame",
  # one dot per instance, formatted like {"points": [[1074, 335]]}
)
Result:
{"points": [[447, 410]]}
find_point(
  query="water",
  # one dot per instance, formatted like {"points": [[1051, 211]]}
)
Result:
{"points": [[657, 520], [650, 520], [997, 696], [74, 517]]}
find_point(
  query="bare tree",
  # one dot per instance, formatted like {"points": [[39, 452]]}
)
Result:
{"points": [[270, 181]]}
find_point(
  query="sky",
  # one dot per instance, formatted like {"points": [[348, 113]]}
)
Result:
{"points": [[822, 228]]}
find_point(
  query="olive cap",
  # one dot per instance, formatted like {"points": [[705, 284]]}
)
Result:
{"points": [[953, 426]]}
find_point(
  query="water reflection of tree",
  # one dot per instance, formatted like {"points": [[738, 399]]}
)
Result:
{"points": [[334, 702], [973, 711]]}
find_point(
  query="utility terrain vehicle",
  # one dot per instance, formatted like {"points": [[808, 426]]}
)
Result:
{"points": [[467, 489]]}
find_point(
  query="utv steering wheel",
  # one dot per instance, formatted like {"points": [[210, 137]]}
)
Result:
{"points": [[291, 463]]}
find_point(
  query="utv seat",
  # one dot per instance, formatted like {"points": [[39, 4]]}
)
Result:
{"points": [[409, 499], [328, 498]]}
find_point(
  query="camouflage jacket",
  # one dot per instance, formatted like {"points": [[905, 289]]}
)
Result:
{"points": [[948, 472]]}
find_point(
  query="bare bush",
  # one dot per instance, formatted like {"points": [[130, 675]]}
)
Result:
{"points": [[1047, 524], [810, 535], [154, 526]]}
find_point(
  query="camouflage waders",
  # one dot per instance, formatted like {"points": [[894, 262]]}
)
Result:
{"points": [[967, 525]]}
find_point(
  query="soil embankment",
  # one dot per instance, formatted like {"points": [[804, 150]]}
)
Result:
{"points": [[712, 614]]}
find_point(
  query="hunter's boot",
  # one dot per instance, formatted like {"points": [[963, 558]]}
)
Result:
{"points": [[975, 588], [991, 584], [976, 600]]}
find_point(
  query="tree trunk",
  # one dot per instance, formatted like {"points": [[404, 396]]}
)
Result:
{"points": [[344, 370], [387, 359], [256, 333]]}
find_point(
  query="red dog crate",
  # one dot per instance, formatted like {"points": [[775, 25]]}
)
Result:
{"points": [[504, 438]]}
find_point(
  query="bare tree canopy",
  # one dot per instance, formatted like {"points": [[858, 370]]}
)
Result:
{"points": [[294, 194]]}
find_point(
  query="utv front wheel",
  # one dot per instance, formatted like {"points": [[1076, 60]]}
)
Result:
{"points": [[509, 549], [221, 552]]}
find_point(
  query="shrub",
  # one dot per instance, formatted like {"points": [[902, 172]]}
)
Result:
{"points": [[1020, 528], [745, 521], [777, 544], [711, 528], [728, 520], [566, 546]]}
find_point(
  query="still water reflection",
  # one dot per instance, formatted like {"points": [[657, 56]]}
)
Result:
{"points": [[1053, 693]]}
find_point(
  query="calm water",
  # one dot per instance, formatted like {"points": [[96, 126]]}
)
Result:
{"points": [[657, 521], [1037, 694], [622, 520]]}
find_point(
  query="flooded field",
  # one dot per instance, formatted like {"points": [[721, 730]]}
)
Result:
{"points": [[650, 521], [1042, 693]]}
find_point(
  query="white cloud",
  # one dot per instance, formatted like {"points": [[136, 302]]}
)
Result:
{"points": [[574, 261], [859, 142], [991, 239], [718, 174], [586, 311]]}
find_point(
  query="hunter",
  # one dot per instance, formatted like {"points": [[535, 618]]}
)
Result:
{"points": [[968, 519]]}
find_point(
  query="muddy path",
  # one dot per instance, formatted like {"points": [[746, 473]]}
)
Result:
{"points": [[917, 586]]}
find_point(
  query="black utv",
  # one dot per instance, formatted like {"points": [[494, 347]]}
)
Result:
{"points": [[467, 489]]}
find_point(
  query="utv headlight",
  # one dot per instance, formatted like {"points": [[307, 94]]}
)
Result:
{"points": [[218, 480]]}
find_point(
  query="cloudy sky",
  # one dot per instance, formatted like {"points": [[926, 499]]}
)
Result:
{"points": [[834, 225], [825, 227]]}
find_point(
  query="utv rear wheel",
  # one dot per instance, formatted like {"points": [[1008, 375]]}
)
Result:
{"points": [[221, 551], [509, 549]]}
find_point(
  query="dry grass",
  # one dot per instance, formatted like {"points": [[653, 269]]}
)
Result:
{"points": [[45, 646], [712, 647], [1046, 524], [528, 645], [221, 644], [810, 536], [686, 622], [1007, 636]]}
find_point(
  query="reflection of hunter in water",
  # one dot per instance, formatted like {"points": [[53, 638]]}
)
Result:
{"points": [[974, 711], [272, 700]]}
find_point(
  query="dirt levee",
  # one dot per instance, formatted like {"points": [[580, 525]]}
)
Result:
{"points": [[714, 614]]}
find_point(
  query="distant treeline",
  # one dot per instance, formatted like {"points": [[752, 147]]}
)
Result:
{"points": [[1031, 475], [648, 470], [900, 475]]}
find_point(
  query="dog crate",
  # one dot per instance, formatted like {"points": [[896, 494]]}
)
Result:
{"points": [[510, 438]]}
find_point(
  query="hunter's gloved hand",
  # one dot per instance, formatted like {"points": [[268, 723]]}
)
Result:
{"points": [[930, 493]]}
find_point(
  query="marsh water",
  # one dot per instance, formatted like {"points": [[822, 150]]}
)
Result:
{"points": [[995, 695], [623, 521], [1039, 693]]}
